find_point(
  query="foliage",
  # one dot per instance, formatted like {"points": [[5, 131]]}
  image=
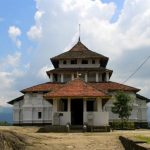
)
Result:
{"points": [[144, 138], [122, 125], [122, 106], [4, 123]]}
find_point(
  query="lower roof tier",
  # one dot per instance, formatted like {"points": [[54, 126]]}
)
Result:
{"points": [[102, 86]]}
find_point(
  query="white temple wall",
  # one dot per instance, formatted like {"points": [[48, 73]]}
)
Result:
{"points": [[142, 110], [17, 111], [79, 64], [33, 109], [135, 114]]}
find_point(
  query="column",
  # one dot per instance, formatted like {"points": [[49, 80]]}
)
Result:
{"points": [[51, 77], [69, 110], [84, 105], [97, 78], [99, 104], [72, 76], [84, 110], [107, 76], [86, 77], [100, 77], [69, 105], [62, 77], [55, 105]]}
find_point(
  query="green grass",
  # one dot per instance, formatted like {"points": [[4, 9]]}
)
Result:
{"points": [[144, 138]]}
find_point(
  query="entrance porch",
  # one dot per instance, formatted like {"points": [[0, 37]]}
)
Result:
{"points": [[80, 111]]}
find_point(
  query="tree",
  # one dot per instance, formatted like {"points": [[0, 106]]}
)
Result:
{"points": [[122, 106]]}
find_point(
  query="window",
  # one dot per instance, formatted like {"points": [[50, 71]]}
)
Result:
{"points": [[74, 61], [91, 105], [93, 61], [64, 62], [84, 61], [39, 115], [63, 104]]}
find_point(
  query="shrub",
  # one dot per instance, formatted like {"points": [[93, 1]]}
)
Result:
{"points": [[126, 125]]}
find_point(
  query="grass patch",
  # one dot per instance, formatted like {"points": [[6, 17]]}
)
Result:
{"points": [[144, 138]]}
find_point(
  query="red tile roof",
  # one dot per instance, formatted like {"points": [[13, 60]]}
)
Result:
{"points": [[45, 87], [103, 86], [76, 88], [113, 86]]}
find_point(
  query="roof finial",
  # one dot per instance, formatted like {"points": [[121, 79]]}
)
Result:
{"points": [[79, 32]]}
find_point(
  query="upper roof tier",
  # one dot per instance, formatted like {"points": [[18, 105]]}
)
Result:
{"points": [[79, 51]]}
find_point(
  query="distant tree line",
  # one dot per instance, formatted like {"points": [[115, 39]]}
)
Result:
{"points": [[5, 123]]}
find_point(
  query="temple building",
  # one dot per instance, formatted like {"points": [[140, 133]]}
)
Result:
{"points": [[79, 91]]}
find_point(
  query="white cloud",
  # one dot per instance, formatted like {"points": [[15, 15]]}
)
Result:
{"points": [[3, 102], [42, 72], [35, 33], [56, 24], [15, 32], [13, 60], [38, 15], [11, 71]]}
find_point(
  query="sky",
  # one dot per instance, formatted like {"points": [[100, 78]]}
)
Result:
{"points": [[33, 31]]}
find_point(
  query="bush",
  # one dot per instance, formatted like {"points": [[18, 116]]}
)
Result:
{"points": [[119, 125], [4, 123]]}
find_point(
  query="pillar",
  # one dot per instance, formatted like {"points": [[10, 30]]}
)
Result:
{"points": [[62, 78], [100, 77], [97, 78], [55, 105], [107, 76], [86, 77], [72, 76], [69, 105], [99, 104], [69, 110], [84, 105], [51, 77]]}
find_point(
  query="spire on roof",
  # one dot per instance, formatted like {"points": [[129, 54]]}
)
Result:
{"points": [[79, 33]]}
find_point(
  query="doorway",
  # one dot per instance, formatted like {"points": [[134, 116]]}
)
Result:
{"points": [[77, 111]]}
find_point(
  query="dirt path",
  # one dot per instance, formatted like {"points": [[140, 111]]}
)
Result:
{"points": [[66, 141], [77, 141]]}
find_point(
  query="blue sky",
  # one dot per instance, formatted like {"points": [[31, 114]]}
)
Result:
{"points": [[21, 14], [33, 31], [18, 13]]}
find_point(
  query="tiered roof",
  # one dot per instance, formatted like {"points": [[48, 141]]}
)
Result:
{"points": [[77, 88], [102, 86], [79, 51]]}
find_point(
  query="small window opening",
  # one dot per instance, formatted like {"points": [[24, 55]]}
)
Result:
{"points": [[91, 105], [63, 104], [84, 61], [93, 61], [74, 61], [39, 115], [64, 62]]}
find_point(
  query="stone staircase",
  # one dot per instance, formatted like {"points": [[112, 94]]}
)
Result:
{"points": [[74, 128]]}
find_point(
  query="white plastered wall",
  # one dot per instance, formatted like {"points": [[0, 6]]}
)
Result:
{"points": [[138, 112], [26, 110]]}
